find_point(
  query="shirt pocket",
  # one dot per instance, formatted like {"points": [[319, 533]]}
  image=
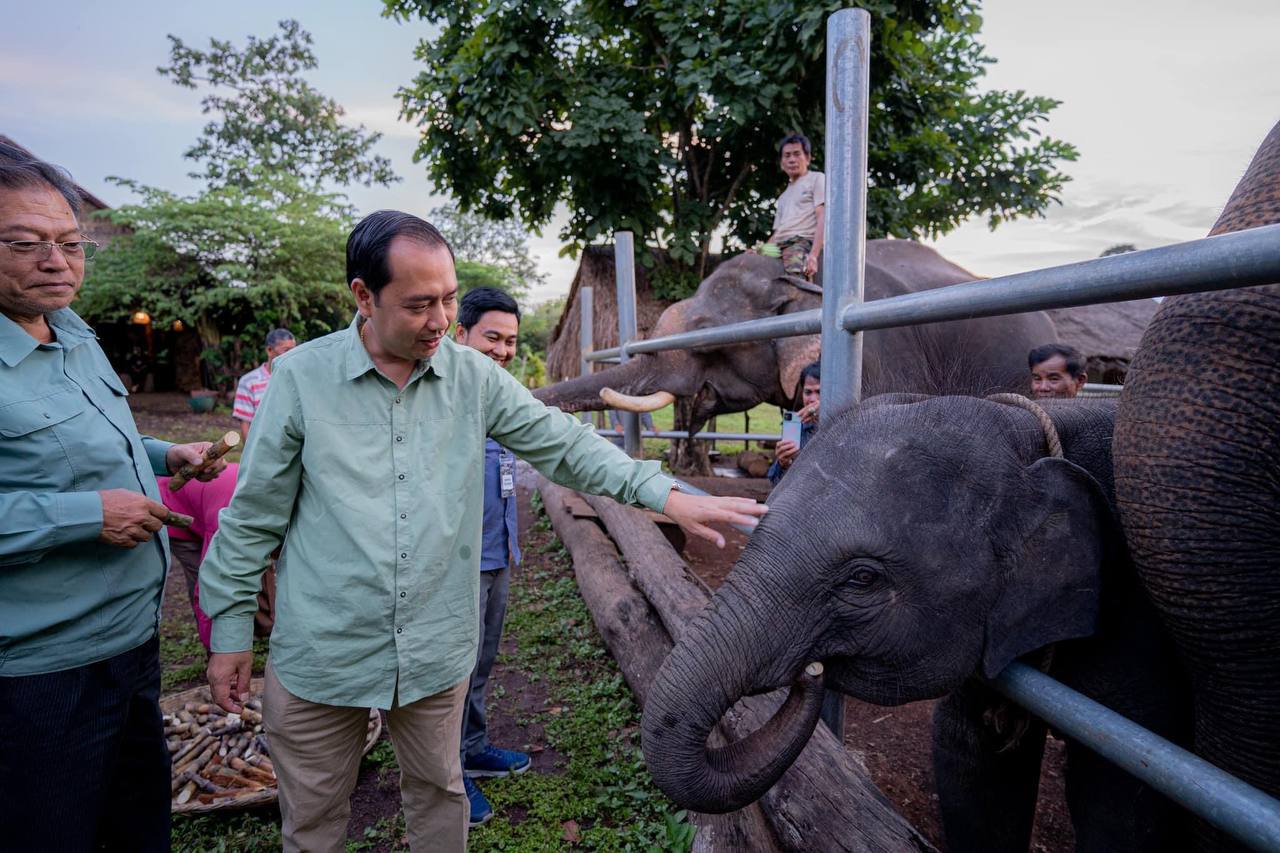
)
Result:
{"points": [[36, 457]]}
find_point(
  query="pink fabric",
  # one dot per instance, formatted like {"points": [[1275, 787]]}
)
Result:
{"points": [[203, 502]]}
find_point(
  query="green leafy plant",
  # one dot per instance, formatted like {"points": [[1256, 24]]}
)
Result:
{"points": [[267, 118], [662, 117], [230, 262]]}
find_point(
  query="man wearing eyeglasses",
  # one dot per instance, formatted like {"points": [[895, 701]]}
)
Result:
{"points": [[83, 761]]}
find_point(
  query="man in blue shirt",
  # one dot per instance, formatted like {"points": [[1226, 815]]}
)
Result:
{"points": [[489, 321], [810, 396], [83, 760]]}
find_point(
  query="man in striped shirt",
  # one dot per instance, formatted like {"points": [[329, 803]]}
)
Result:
{"points": [[253, 385]]}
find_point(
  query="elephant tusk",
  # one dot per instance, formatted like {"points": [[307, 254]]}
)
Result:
{"points": [[627, 403], [814, 669]]}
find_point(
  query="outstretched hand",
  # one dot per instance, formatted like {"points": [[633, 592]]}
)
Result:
{"points": [[694, 513]]}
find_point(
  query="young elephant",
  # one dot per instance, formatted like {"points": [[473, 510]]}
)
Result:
{"points": [[913, 547]]}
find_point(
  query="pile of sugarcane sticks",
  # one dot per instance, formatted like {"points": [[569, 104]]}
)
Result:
{"points": [[216, 755]]}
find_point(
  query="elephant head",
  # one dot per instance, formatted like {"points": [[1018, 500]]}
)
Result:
{"points": [[980, 355], [910, 546], [720, 379]]}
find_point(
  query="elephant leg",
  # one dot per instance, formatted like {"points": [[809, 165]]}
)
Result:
{"points": [[987, 799], [1113, 812]]}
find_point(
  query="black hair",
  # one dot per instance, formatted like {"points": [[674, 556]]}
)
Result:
{"points": [[1075, 361], [370, 241], [279, 336], [811, 371], [482, 299], [20, 170], [795, 137]]}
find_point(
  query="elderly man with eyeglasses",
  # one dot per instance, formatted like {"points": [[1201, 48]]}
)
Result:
{"points": [[83, 760]]}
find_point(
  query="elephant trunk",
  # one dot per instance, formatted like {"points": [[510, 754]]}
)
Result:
{"points": [[582, 394], [689, 696]]}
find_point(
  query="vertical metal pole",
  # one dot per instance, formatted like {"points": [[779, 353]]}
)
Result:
{"points": [[624, 258], [844, 247], [586, 336]]}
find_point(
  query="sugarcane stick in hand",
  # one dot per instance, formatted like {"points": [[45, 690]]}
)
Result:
{"points": [[212, 454]]}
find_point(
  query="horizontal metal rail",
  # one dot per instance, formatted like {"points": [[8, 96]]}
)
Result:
{"points": [[1223, 800], [1240, 259], [700, 436], [1098, 389]]}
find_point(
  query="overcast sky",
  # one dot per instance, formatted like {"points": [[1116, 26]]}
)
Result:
{"points": [[1166, 100]]}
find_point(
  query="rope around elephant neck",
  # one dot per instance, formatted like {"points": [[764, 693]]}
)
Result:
{"points": [[1050, 431]]}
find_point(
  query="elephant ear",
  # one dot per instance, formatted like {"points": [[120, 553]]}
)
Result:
{"points": [[794, 355], [1060, 533]]}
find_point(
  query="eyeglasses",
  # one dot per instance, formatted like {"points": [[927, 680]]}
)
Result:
{"points": [[41, 249]]}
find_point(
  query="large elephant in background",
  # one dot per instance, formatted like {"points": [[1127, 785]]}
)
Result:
{"points": [[1197, 455], [979, 355], [913, 546]]}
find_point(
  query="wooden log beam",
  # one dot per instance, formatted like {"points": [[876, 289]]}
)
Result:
{"points": [[638, 642], [826, 799]]}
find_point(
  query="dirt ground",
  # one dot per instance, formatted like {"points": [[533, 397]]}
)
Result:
{"points": [[894, 742]]}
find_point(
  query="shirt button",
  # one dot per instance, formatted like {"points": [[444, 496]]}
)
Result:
{"points": [[403, 555], [400, 630], [398, 437], [402, 595], [404, 515], [402, 476], [397, 401]]}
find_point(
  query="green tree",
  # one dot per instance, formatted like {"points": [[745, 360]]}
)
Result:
{"points": [[230, 262], [268, 117], [503, 244], [662, 117], [539, 323]]}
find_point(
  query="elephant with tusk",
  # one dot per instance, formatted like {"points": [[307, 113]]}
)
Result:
{"points": [[916, 545], [982, 355]]}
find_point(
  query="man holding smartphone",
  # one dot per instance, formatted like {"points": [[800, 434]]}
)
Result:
{"points": [[807, 418]]}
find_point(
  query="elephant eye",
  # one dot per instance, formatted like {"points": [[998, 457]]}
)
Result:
{"points": [[863, 576]]}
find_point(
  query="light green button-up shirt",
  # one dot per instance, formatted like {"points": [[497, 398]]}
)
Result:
{"points": [[378, 496], [66, 433]]}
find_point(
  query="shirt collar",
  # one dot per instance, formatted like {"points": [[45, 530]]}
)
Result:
{"points": [[16, 344], [359, 362]]}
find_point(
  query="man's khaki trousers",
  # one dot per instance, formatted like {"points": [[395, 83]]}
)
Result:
{"points": [[316, 751]]}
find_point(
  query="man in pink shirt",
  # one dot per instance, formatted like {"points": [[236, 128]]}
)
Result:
{"points": [[253, 385]]}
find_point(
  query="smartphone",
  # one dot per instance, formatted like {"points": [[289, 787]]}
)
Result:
{"points": [[791, 427]]}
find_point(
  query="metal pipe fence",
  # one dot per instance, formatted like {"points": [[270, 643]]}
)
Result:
{"points": [[1228, 261]]}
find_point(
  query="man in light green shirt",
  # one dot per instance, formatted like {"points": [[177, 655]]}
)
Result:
{"points": [[366, 461]]}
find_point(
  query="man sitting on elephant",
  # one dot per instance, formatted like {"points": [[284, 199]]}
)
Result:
{"points": [[1057, 370], [801, 209], [810, 394]]}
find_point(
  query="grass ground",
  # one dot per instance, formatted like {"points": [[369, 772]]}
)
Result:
{"points": [[764, 418]]}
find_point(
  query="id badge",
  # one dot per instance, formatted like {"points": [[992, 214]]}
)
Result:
{"points": [[507, 473]]}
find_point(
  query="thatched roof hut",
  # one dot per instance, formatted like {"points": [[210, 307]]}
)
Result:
{"points": [[1108, 335], [596, 270]]}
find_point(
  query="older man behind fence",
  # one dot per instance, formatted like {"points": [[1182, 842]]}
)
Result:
{"points": [[83, 762], [366, 462]]}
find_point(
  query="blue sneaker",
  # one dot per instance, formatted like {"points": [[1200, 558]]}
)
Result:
{"points": [[481, 811], [492, 761]]}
